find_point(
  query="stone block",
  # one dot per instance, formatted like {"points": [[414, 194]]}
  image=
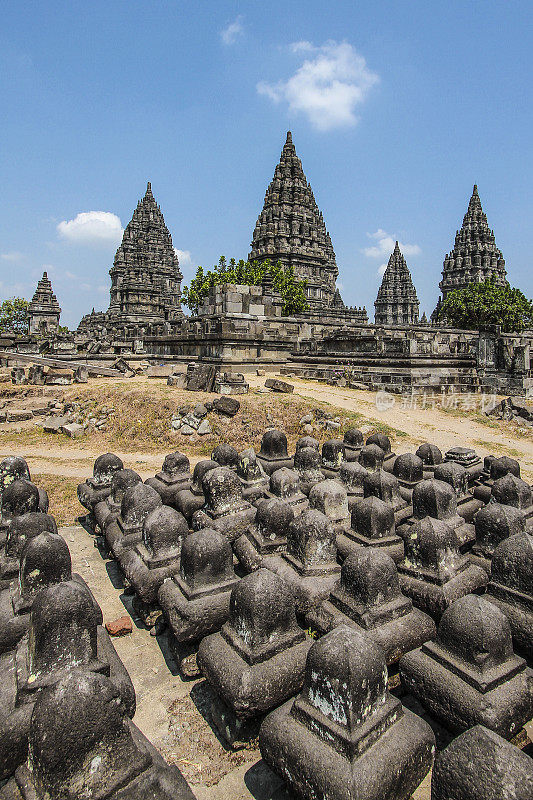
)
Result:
{"points": [[159, 371], [227, 406], [18, 415], [273, 452], [109, 751], [434, 573], [278, 385], [480, 765], [73, 430], [64, 635], [345, 736], [179, 381], [470, 674], [54, 424], [125, 529], [224, 509], [196, 599], [309, 564], [511, 588], [257, 661], [372, 525], [201, 377]]}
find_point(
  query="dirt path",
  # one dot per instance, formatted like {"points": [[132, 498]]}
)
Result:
{"points": [[72, 459], [444, 429], [77, 463]]}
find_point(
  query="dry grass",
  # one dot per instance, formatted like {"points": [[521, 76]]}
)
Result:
{"points": [[140, 415], [64, 505]]}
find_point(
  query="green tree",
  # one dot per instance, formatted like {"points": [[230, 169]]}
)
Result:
{"points": [[247, 273], [14, 316], [480, 305]]}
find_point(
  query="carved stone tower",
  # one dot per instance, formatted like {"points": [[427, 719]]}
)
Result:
{"points": [[396, 303], [44, 309], [145, 276], [291, 229], [475, 256]]}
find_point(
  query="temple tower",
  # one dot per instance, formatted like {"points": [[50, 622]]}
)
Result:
{"points": [[291, 229], [475, 256], [396, 303], [44, 310], [145, 276]]}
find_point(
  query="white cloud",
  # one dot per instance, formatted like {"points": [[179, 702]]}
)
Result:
{"points": [[92, 227], [102, 289], [184, 256], [385, 246], [381, 270], [70, 275], [13, 256], [332, 81], [233, 31]]}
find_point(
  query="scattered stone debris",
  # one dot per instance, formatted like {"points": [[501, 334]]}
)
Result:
{"points": [[278, 385], [231, 383], [227, 406], [513, 408]]}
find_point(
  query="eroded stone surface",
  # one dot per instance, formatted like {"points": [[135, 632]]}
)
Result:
{"points": [[470, 675], [110, 759], [434, 573], [480, 765], [257, 660], [344, 736]]}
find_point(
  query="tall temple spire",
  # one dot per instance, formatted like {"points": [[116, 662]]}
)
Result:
{"points": [[397, 302], [475, 256], [291, 229], [44, 310], [145, 276]]}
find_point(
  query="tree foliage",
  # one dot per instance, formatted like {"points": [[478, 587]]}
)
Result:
{"points": [[485, 304], [14, 316], [247, 273]]}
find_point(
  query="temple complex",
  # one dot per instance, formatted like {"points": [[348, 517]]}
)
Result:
{"points": [[474, 257], [291, 229], [396, 303], [145, 276], [241, 327], [44, 310]]}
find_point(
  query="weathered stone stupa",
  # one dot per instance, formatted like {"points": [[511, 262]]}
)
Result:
{"points": [[44, 310], [145, 276], [291, 229], [396, 303], [475, 256]]}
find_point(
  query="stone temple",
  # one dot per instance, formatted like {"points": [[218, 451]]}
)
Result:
{"points": [[238, 328], [396, 303], [474, 257], [145, 276], [44, 309], [291, 229]]}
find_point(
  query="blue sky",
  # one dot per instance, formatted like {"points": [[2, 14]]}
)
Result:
{"points": [[397, 108]]}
